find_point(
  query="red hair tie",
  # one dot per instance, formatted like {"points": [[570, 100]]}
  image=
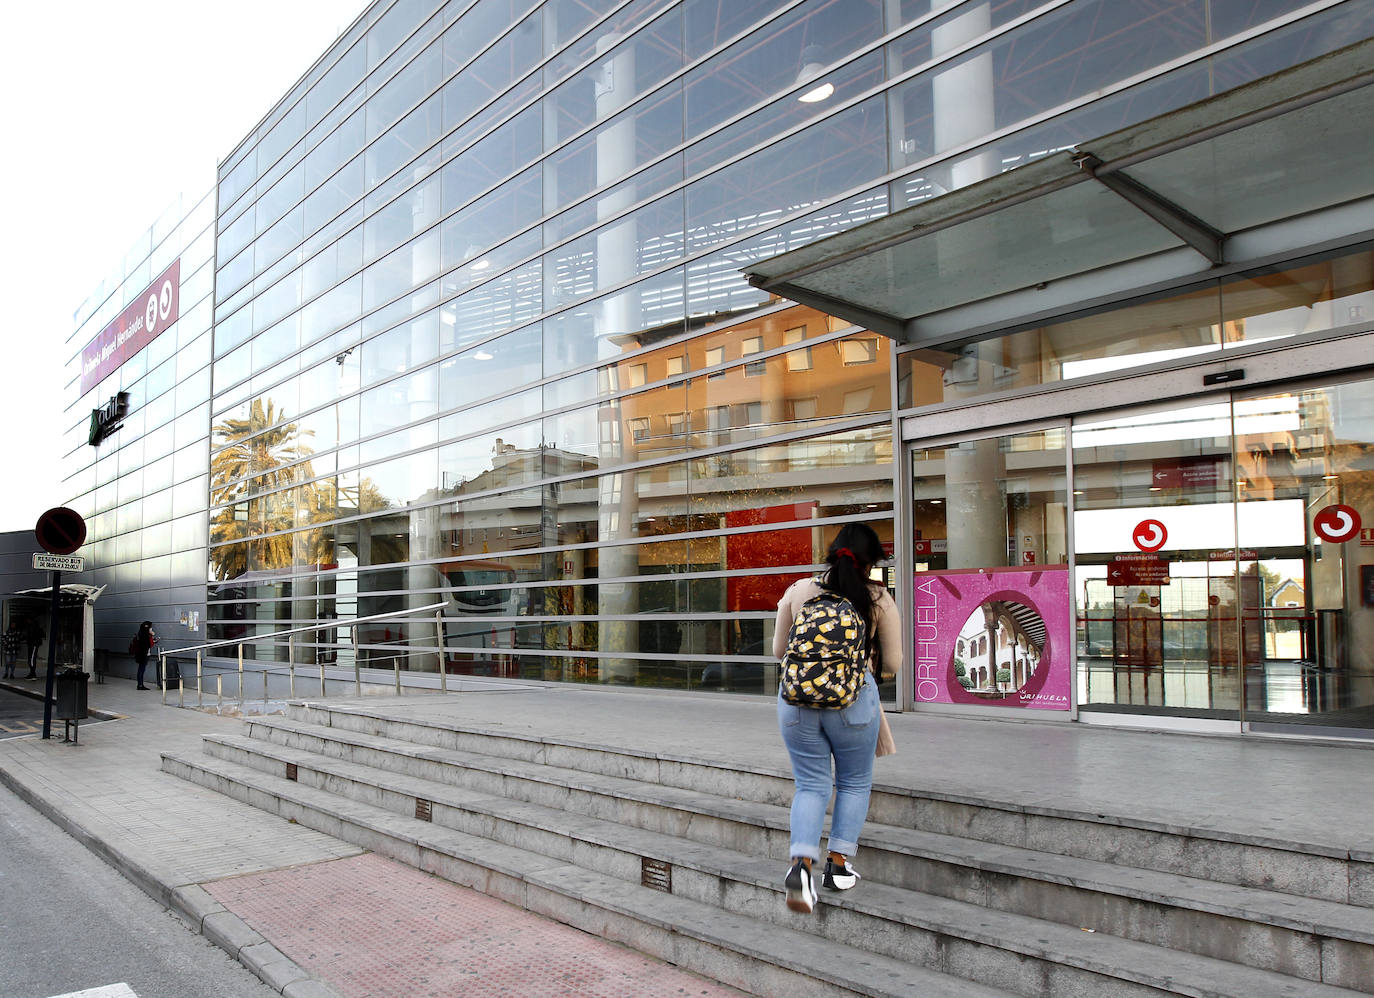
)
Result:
{"points": [[845, 553]]}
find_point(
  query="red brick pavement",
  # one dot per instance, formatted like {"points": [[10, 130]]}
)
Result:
{"points": [[374, 928]]}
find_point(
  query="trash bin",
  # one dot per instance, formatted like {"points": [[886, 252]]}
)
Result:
{"points": [[71, 695], [102, 664]]}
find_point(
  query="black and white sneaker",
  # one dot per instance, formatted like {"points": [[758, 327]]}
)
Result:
{"points": [[801, 888], [839, 877]]}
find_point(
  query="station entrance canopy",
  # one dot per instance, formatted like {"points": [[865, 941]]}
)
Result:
{"points": [[1279, 166]]}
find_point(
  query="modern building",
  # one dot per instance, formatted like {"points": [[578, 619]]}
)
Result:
{"points": [[592, 322]]}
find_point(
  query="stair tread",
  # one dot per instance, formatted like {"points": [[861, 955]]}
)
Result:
{"points": [[794, 949], [1289, 911], [1132, 960], [1040, 809]]}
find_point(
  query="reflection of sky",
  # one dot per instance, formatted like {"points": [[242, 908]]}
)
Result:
{"points": [[973, 627], [1255, 416]]}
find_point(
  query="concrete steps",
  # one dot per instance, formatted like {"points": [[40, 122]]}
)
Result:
{"points": [[970, 912], [754, 956]]}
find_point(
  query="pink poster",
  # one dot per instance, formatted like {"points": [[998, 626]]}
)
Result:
{"points": [[998, 637]]}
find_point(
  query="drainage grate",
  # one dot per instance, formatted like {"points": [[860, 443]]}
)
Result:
{"points": [[290, 770], [656, 874], [424, 810]]}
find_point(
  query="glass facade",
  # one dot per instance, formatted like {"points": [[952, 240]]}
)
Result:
{"points": [[481, 337], [141, 489]]}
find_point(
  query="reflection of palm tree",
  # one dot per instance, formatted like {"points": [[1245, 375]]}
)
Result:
{"points": [[264, 463], [262, 480]]}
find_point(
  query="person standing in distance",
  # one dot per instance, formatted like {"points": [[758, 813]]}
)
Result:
{"points": [[34, 636], [142, 646], [847, 735], [13, 641]]}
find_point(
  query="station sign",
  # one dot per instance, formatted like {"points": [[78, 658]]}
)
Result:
{"points": [[134, 328], [1150, 535], [59, 562], [1337, 524]]}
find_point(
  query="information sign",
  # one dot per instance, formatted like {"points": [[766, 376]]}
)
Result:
{"points": [[1138, 570], [59, 562]]}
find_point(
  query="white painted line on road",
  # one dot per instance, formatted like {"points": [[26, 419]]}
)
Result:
{"points": [[108, 991]]}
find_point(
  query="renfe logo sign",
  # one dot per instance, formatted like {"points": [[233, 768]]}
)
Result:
{"points": [[134, 328]]}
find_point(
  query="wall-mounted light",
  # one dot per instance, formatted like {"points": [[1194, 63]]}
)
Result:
{"points": [[482, 355], [811, 68]]}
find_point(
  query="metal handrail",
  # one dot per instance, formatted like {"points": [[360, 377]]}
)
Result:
{"points": [[345, 622], [291, 657]]}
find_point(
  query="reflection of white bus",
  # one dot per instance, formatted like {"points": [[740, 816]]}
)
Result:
{"points": [[481, 603]]}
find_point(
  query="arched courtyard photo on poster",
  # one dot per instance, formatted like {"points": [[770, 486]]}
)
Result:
{"points": [[995, 637]]}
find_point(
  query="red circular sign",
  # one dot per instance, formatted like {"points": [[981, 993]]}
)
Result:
{"points": [[60, 530], [1149, 535], [1337, 524]]}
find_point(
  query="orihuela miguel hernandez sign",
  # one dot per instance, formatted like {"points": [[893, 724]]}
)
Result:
{"points": [[134, 328]]}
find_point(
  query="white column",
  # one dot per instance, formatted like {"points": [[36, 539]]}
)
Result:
{"points": [[616, 248]]}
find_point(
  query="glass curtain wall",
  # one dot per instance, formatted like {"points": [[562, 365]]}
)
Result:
{"points": [[1217, 543], [481, 335], [141, 489]]}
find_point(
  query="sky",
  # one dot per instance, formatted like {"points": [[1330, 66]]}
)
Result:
{"points": [[110, 111]]}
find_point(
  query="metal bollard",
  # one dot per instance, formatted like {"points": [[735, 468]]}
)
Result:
{"points": [[291, 662], [357, 665], [200, 696], [443, 664], [219, 692], [243, 701], [396, 668]]}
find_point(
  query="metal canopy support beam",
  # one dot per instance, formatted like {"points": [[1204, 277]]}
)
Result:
{"points": [[1188, 227], [878, 322]]}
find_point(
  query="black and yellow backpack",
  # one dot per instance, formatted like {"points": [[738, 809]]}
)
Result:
{"points": [[827, 653]]}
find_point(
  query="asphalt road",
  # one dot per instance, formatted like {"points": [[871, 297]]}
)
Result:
{"points": [[71, 924]]}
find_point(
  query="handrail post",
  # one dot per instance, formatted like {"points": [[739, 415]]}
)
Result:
{"points": [[443, 655], [357, 664], [264, 690], [162, 675], [200, 695], [291, 662], [219, 691], [396, 668], [181, 689], [243, 701]]}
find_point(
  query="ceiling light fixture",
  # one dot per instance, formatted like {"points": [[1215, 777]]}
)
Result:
{"points": [[811, 68]]}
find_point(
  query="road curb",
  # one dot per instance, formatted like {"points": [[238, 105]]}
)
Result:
{"points": [[189, 902]]}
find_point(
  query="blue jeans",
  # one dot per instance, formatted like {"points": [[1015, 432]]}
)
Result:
{"points": [[812, 737]]}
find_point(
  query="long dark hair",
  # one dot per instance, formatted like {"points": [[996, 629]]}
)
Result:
{"points": [[852, 553]]}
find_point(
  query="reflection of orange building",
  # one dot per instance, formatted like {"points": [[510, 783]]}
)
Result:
{"points": [[804, 376]]}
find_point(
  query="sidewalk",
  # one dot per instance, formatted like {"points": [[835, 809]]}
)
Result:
{"points": [[300, 908], [312, 916]]}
